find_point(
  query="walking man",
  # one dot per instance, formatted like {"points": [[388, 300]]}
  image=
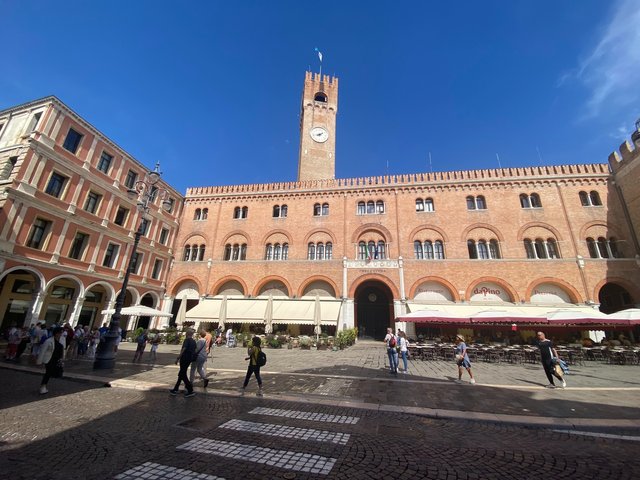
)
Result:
{"points": [[187, 355], [391, 341], [201, 358], [547, 354]]}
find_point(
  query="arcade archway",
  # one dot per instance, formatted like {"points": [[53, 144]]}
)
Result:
{"points": [[373, 309]]}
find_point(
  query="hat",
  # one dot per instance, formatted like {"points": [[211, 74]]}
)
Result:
{"points": [[460, 337]]}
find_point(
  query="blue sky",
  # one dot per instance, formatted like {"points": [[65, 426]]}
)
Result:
{"points": [[212, 89]]}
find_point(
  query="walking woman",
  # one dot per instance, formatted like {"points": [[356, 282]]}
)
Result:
{"points": [[51, 353], [403, 343], [462, 359], [254, 367]]}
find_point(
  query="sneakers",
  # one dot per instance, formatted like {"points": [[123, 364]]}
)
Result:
{"points": [[206, 382], [564, 383], [43, 389], [259, 394], [472, 381], [189, 394], [173, 392], [551, 385], [458, 380]]}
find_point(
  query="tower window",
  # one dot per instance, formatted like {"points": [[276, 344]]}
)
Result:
{"points": [[591, 199], [320, 97]]}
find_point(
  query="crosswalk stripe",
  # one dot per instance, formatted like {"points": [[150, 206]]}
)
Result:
{"points": [[600, 435], [303, 462], [318, 417], [287, 432], [156, 471]]}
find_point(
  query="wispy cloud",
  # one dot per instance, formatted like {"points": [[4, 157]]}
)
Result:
{"points": [[611, 72]]}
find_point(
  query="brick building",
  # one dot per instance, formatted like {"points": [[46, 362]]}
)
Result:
{"points": [[67, 223], [371, 248], [318, 252]]}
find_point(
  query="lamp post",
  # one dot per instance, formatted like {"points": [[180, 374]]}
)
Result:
{"points": [[145, 192]]}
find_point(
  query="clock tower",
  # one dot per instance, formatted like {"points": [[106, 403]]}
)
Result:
{"points": [[317, 157]]}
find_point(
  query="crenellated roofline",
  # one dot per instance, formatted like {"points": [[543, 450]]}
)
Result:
{"points": [[456, 177]]}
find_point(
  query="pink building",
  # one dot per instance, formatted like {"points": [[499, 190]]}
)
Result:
{"points": [[67, 224]]}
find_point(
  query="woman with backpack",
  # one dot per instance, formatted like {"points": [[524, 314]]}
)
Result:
{"points": [[256, 359]]}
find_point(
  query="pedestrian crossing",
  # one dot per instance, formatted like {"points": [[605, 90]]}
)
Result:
{"points": [[295, 461]]}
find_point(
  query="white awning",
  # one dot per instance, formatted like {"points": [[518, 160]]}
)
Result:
{"points": [[252, 310], [138, 311]]}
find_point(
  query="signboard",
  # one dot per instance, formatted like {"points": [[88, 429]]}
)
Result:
{"points": [[549, 293], [433, 292], [489, 292]]}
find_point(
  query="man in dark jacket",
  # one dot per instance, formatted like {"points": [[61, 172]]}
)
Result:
{"points": [[187, 355], [547, 355]]}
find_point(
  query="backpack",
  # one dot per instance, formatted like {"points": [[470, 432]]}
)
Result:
{"points": [[261, 360], [392, 341]]}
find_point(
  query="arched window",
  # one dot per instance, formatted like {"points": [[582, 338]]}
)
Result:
{"points": [[317, 210], [362, 209], [371, 207], [419, 205], [428, 250], [481, 203], [381, 251], [268, 254], [362, 251], [593, 249], [371, 250], [483, 250], [320, 97], [237, 212], [205, 213], [595, 198], [201, 253], [243, 251], [320, 251], [276, 211], [602, 247], [187, 253], [325, 209], [471, 246], [524, 201], [194, 253], [328, 251], [236, 252], [227, 252], [277, 251], [311, 251], [245, 212], [439, 250], [379, 206], [283, 211], [197, 214], [471, 203], [584, 199], [535, 200], [552, 248], [285, 251], [528, 248], [417, 250], [494, 249], [428, 205], [540, 250]]}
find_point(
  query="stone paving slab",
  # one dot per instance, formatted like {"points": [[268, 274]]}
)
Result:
{"points": [[597, 392]]}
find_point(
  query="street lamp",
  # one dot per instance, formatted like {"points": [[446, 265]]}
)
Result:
{"points": [[145, 192]]}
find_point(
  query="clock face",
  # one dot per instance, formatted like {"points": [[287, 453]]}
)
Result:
{"points": [[319, 134]]}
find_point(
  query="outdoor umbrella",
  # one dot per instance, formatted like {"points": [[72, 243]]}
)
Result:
{"points": [[182, 312], [317, 317], [268, 316], [630, 314], [577, 317], [222, 315]]}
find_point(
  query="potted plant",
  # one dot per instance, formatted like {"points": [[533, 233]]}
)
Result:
{"points": [[305, 342]]}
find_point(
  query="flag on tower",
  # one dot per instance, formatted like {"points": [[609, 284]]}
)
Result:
{"points": [[319, 54]]}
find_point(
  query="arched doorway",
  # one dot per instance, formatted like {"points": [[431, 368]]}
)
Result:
{"points": [[18, 290], [614, 298], [147, 301], [374, 309]]}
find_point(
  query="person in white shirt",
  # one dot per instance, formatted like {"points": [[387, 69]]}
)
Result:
{"points": [[403, 343]]}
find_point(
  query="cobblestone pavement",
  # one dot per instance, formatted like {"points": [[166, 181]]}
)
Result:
{"points": [[359, 375], [83, 430]]}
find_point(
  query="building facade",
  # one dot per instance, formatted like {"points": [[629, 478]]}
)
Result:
{"points": [[317, 254], [381, 246], [67, 223]]}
